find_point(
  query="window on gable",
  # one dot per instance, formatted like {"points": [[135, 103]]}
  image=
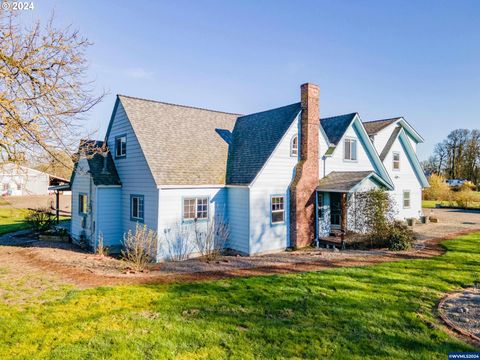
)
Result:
{"points": [[294, 146], [137, 208], [278, 209], [396, 161], [83, 204], [195, 208], [350, 150], [121, 146], [406, 199]]}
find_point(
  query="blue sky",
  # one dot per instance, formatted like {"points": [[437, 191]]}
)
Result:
{"points": [[417, 59]]}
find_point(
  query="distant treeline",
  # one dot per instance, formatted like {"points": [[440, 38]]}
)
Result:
{"points": [[456, 157]]}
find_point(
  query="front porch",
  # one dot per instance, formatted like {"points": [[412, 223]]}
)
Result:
{"points": [[331, 201]]}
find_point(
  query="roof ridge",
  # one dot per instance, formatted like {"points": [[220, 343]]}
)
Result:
{"points": [[393, 118], [265, 111], [335, 116], [180, 105]]}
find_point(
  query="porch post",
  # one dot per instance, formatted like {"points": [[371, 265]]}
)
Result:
{"points": [[57, 207], [343, 204]]}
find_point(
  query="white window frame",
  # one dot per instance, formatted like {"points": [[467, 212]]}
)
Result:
{"points": [[123, 149], [83, 204], [409, 199], [395, 161], [140, 209], [197, 211], [294, 149], [350, 141], [279, 208]]}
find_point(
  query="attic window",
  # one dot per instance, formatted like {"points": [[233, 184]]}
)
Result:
{"points": [[121, 146], [294, 146], [350, 152], [396, 161]]}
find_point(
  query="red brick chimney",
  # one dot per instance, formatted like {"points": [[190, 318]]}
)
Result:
{"points": [[302, 188]]}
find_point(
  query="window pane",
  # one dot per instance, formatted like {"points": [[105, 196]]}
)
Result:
{"points": [[135, 207], [202, 208], [189, 208], [353, 150], [277, 216], [347, 149]]}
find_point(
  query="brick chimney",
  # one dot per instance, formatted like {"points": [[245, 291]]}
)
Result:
{"points": [[302, 188]]}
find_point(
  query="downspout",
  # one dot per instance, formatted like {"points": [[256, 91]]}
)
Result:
{"points": [[324, 158]]}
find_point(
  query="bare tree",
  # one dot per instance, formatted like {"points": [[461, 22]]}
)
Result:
{"points": [[210, 237], [44, 92]]}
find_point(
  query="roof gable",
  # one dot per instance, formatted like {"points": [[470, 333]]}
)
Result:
{"points": [[334, 127], [254, 139], [412, 157], [375, 126], [181, 144]]}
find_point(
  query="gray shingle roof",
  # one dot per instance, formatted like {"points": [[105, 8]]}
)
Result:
{"points": [[180, 143], [373, 127], [96, 164], [390, 143], [342, 180], [255, 137], [336, 126]]}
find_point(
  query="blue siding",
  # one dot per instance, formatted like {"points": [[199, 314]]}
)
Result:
{"points": [[239, 219], [109, 201], [134, 173]]}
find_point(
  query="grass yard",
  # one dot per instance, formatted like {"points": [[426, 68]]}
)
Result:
{"points": [[428, 204], [12, 219], [383, 311]]}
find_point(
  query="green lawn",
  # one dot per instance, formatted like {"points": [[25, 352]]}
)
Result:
{"points": [[12, 220], [384, 311], [431, 204]]}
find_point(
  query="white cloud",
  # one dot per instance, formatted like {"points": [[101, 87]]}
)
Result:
{"points": [[138, 73]]}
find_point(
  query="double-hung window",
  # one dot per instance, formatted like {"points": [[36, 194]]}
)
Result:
{"points": [[350, 149], [137, 208], [278, 209], [121, 146], [195, 208], [82, 204], [294, 146], [396, 160], [406, 199]]}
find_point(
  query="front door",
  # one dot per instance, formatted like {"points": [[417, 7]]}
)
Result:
{"points": [[335, 210]]}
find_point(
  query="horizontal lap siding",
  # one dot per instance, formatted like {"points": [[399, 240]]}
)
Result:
{"points": [[238, 219], [134, 174], [404, 179], [171, 211], [274, 179], [109, 201]]}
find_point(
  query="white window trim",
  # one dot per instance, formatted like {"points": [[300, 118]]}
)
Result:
{"points": [[277, 211], [393, 160], [122, 154], [351, 139], [409, 199], [196, 198], [292, 149]]}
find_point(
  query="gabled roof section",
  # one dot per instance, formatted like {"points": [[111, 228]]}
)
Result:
{"points": [[412, 157], [180, 143], [390, 143], [335, 126], [348, 181], [374, 126], [255, 137], [101, 174]]}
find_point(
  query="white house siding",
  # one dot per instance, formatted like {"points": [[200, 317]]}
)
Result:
{"points": [[171, 211], [336, 162], [109, 218], [21, 180], [134, 173], [273, 179], [238, 218], [82, 184], [404, 179], [381, 138]]}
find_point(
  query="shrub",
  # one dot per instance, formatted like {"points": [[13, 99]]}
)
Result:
{"points": [[464, 198], [178, 242], [40, 220], [438, 190], [101, 249], [399, 236], [139, 247], [210, 237]]}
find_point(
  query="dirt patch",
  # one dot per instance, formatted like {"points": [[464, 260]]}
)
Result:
{"points": [[69, 264], [461, 312]]}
